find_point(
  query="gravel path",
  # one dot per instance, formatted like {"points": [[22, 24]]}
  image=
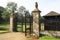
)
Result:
{"points": [[12, 36]]}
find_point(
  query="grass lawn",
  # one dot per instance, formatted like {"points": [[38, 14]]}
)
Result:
{"points": [[48, 38], [20, 29], [4, 26], [3, 31]]}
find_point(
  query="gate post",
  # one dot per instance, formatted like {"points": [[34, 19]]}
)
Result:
{"points": [[11, 22], [36, 21]]}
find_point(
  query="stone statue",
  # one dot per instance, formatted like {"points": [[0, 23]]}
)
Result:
{"points": [[36, 5]]}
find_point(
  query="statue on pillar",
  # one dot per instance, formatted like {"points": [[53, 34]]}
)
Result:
{"points": [[36, 5]]}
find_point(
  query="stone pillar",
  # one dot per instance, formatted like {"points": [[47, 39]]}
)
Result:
{"points": [[11, 23], [36, 19]]}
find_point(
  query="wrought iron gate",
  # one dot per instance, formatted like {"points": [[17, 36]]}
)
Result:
{"points": [[25, 24]]}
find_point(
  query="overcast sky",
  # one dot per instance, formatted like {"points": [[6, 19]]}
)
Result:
{"points": [[44, 5]]}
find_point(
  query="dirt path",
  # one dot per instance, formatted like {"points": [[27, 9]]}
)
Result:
{"points": [[12, 36]]}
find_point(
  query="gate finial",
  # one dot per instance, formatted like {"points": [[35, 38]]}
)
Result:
{"points": [[36, 5]]}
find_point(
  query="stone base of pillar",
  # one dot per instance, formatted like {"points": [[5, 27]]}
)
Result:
{"points": [[32, 37]]}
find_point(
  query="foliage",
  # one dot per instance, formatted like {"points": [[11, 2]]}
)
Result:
{"points": [[1, 11], [5, 15], [11, 7], [41, 19], [21, 10], [21, 13]]}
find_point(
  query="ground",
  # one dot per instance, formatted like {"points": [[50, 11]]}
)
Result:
{"points": [[12, 36]]}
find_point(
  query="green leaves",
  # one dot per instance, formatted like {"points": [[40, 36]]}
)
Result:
{"points": [[11, 6]]}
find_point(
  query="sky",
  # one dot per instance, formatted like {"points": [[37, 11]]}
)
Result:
{"points": [[45, 6]]}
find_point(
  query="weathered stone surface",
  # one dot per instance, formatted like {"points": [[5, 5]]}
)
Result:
{"points": [[11, 24], [36, 14]]}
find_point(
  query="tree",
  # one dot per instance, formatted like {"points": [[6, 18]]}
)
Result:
{"points": [[1, 11], [11, 7], [21, 10], [5, 16], [41, 19], [27, 16], [21, 13]]}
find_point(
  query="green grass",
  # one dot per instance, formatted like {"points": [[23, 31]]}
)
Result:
{"points": [[4, 25], [7, 26], [48, 38], [20, 29], [3, 31]]}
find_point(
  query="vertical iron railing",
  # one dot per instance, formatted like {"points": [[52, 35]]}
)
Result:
{"points": [[25, 24], [29, 24]]}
